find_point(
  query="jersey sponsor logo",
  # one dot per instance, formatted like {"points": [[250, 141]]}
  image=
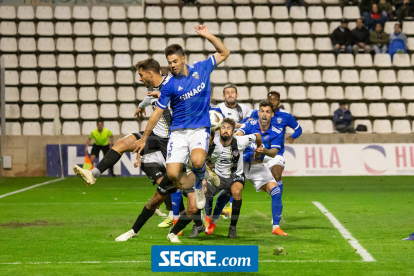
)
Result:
{"points": [[195, 75], [279, 120], [195, 91], [235, 153], [253, 122], [277, 130], [180, 88]]}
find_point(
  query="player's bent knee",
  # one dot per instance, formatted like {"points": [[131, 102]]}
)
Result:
{"points": [[237, 195]]}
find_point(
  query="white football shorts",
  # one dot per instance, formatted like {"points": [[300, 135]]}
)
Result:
{"points": [[258, 174], [277, 160], [182, 142]]}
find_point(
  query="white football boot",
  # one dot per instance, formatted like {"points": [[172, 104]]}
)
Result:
{"points": [[126, 236], [173, 238], [160, 213], [212, 177], [85, 174]]}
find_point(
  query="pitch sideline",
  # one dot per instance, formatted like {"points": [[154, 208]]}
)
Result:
{"points": [[31, 187], [366, 257]]}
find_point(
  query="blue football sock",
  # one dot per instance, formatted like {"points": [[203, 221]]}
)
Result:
{"points": [[280, 184], [222, 199], [277, 206], [231, 201], [176, 202], [209, 206], [199, 176]]}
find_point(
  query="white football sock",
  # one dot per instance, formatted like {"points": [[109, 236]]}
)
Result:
{"points": [[275, 226], [171, 214]]}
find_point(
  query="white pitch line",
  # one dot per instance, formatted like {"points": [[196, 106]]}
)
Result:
{"points": [[98, 203], [366, 257], [31, 187]]}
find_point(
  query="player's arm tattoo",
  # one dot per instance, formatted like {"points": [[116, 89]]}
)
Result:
{"points": [[270, 152]]}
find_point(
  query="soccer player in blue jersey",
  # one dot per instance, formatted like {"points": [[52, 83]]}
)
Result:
{"points": [[188, 92], [253, 156]]}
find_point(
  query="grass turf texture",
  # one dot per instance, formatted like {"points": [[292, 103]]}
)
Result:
{"points": [[67, 221]]}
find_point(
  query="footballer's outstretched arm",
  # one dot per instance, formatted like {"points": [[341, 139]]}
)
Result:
{"points": [[222, 51], [152, 122]]}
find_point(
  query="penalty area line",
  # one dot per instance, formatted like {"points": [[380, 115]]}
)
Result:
{"points": [[366, 257], [31, 187]]}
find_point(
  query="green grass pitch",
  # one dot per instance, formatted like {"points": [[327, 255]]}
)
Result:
{"points": [[67, 228]]}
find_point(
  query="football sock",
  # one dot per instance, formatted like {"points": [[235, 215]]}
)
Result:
{"points": [[209, 206], [197, 219], [277, 206], [220, 203], [231, 201], [176, 199], [199, 176], [109, 160], [168, 203], [235, 212], [181, 224], [170, 214], [280, 184], [142, 219]]}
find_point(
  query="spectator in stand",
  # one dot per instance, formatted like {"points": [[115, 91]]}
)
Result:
{"points": [[379, 40], [373, 18], [342, 38], [405, 8], [299, 2], [343, 119], [361, 38], [386, 9], [398, 41], [365, 7]]}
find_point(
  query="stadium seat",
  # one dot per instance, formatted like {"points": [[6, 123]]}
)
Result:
{"points": [[316, 93], [270, 60], [8, 28], [113, 126], [320, 29], [243, 13], [407, 93], [82, 28], [280, 13], [26, 29], [25, 44], [405, 76], [217, 93], [81, 13], [345, 60], [142, 93], [316, 13], [323, 44], [358, 109], [30, 94], [124, 94], [368, 76], [84, 61], [261, 12], [173, 13], [47, 128], [401, 126], [312, 76], [156, 29], [194, 44], [258, 93], [387, 76], [49, 94], [324, 126], [11, 78], [7, 12], [161, 59], [117, 13], [148, 111], [297, 93], [127, 110], [86, 77], [195, 58], [12, 111], [281, 89], [283, 28], [335, 93], [228, 28], [320, 110], [63, 29], [99, 13], [304, 44], [63, 13], [128, 127], [69, 111], [372, 93], [47, 61], [366, 123], [64, 44], [249, 28], [139, 44], [25, 12], [293, 76], [353, 93], [307, 126], [68, 94], [276, 76], [157, 44], [333, 13], [65, 61], [382, 60], [232, 43], [12, 94], [28, 61], [105, 77], [256, 76], [137, 28], [135, 12], [391, 93], [286, 44], [401, 60], [122, 61], [89, 111], [326, 60], [124, 77], [333, 25], [71, 128], [143, 124], [331, 76], [173, 29], [120, 44], [31, 128], [267, 44], [378, 110], [45, 28], [100, 28], [46, 44], [236, 77], [397, 110], [67, 77], [303, 28], [208, 13], [49, 111], [298, 13], [301, 110], [88, 127], [10, 61], [83, 45], [308, 60], [252, 60], [363, 60], [29, 77], [351, 12], [289, 60], [108, 111], [249, 44], [87, 94], [408, 28], [103, 61], [410, 109], [382, 126], [219, 76], [225, 13], [349, 76]]}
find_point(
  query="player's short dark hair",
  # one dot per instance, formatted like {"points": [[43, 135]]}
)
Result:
{"points": [[100, 121], [174, 49], [274, 93], [149, 64], [265, 103], [397, 24], [231, 122], [229, 86]]}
